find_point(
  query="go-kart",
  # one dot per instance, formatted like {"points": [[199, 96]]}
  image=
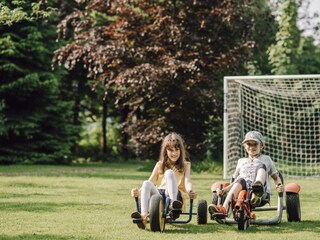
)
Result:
{"points": [[242, 211], [160, 213]]}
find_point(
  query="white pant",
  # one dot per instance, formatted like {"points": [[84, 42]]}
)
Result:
{"points": [[148, 189]]}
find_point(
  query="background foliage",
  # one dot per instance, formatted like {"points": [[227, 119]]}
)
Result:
{"points": [[122, 74], [36, 126]]}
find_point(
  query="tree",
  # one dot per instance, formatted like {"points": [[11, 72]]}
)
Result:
{"points": [[308, 61], [164, 60], [37, 126], [283, 54], [263, 19]]}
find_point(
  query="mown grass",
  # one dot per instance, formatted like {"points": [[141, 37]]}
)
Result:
{"points": [[94, 202]]}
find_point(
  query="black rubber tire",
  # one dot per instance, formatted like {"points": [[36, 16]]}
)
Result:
{"points": [[156, 210], [293, 207], [243, 221], [202, 214]]}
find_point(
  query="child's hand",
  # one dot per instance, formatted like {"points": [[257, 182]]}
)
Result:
{"points": [[135, 192], [280, 187], [192, 194], [219, 191]]}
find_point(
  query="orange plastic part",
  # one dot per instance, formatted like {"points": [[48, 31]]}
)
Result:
{"points": [[292, 187], [241, 197]]}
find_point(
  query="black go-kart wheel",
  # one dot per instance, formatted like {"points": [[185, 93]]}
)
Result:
{"points": [[156, 214], [243, 220], [202, 214], [293, 207]]}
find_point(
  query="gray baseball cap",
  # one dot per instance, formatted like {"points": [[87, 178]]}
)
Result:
{"points": [[254, 136]]}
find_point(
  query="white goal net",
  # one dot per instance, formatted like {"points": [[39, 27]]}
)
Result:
{"points": [[285, 109]]}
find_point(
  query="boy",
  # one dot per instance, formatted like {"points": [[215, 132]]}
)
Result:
{"points": [[254, 169]]}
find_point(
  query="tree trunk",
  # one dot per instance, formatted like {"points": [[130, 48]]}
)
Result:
{"points": [[124, 135], [78, 95], [104, 124]]}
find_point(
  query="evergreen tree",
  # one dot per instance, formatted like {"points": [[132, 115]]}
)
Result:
{"points": [[36, 124]]}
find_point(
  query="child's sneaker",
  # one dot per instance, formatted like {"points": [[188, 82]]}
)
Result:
{"points": [[258, 188], [176, 204], [139, 220], [175, 207]]}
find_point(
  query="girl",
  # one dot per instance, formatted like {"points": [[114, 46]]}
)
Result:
{"points": [[254, 169], [169, 178]]}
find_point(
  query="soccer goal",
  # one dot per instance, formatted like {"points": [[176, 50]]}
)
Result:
{"points": [[285, 109]]}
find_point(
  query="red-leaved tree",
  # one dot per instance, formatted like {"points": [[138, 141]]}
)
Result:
{"points": [[164, 60]]}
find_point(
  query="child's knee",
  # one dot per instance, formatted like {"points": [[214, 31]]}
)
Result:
{"points": [[146, 184], [169, 173], [241, 183], [261, 166]]}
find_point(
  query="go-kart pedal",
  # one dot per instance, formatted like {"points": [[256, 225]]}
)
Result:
{"points": [[139, 220], [219, 217], [217, 213], [176, 209], [255, 201]]}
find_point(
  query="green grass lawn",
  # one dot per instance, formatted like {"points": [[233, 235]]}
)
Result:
{"points": [[94, 202]]}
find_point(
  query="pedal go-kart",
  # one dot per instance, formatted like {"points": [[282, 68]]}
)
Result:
{"points": [[242, 212], [160, 213]]}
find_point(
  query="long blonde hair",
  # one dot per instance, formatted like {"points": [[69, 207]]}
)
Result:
{"points": [[172, 140]]}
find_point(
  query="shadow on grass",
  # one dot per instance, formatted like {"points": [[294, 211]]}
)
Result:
{"points": [[38, 236], [212, 227], [193, 228], [113, 171], [102, 175], [291, 227], [46, 207]]}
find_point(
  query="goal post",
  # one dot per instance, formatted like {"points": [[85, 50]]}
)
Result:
{"points": [[285, 109]]}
